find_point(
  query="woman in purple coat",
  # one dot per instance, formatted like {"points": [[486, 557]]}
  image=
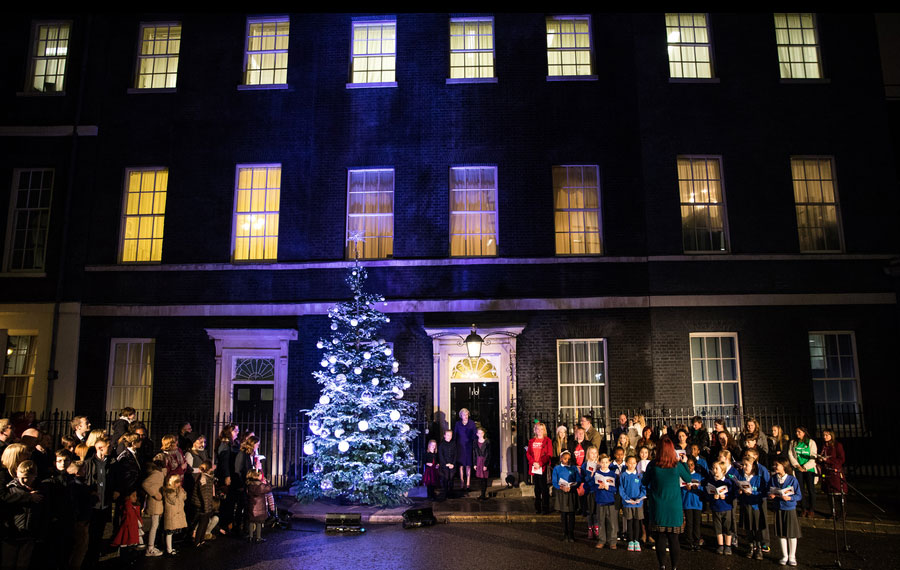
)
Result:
{"points": [[464, 434]]}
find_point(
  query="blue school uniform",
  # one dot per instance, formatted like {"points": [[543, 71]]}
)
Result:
{"points": [[720, 505], [789, 481], [755, 499], [603, 496], [693, 500], [631, 488]]}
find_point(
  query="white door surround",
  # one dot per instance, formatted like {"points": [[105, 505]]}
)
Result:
{"points": [[500, 350], [254, 343]]}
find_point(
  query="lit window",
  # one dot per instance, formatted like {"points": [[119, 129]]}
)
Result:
{"points": [[576, 198], [473, 211], [471, 48], [29, 219], [256, 208], [568, 46], [18, 373], [158, 56], [370, 213], [374, 52], [702, 204], [131, 370], [690, 55], [266, 56], [798, 46], [815, 198], [48, 57], [715, 374], [832, 358], [144, 215], [581, 375]]}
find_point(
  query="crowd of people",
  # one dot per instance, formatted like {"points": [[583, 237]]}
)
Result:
{"points": [[183, 492], [643, 485]]}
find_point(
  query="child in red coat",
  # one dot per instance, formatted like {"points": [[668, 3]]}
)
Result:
{"points": [[129, 533]]}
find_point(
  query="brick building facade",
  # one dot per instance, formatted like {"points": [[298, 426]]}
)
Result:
{"points": [[522, 101]]}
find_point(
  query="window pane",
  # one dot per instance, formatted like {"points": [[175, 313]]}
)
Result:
{"points": [[471, 48], [577, 210], [256, 213], [157, 60], [266, 51], [688, 44], [816, 208], [370, 221], [797, 46], [569, 43], [702, 207]]}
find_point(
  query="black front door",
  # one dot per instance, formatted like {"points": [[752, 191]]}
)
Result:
{"points": [[482, 401], [253, 411]]}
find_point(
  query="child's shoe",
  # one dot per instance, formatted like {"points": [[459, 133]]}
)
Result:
{"points": [[631, 546], [720, 549], [637, 546], [783, 561], [792, 561], [727, 550]]}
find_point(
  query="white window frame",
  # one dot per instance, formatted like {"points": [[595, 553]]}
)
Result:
{"points": [[111, 371], [29, 375], [359, 23], [836, 203], [723, 204], [577, 407], [785, 67], [691, 46], [33, 58], [264, 20], [125, 215], [483, 212], [719, 408], [592, 76], [235, 213], [11, 221], [347, 247], [826, 410], [140, 57], [599, 210], [477, 51]]}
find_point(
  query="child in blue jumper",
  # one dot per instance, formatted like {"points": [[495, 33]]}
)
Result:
{"points": [[786, 490], [566, 480], [603, 485], [633, 494], [751, 490], [692, 497], [720, 489]]}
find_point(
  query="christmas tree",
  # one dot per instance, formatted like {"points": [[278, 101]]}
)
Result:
{"points": [[361, 428]]}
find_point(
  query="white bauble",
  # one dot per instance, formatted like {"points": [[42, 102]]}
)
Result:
{"points": [[395, 415], [387, 351], [309, 448], [357, 370], [338, 432], [324, 363], [374, 381], [366, 355], [319, 344], [324, 400], [363, 425], [343, 446]]}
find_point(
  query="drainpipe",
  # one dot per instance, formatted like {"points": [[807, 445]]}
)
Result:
{"points": [[52, 372]]}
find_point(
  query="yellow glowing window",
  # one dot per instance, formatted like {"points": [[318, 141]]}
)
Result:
{"points": [[798, 46], [568, 46], [266, 57], [474, 369], [158, 56], [815, 199], [576, 196], [48, 57], [687, 36], [256, 213], [473, 211], [702, 204], [370, 213], [471, 48], [374, 52], [145, 213]]}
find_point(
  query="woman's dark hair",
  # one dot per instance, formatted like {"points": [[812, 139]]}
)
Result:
{"points": [[665, 453], [805, 438], [787, 466]]}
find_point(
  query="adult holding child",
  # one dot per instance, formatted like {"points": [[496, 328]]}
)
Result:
{"points": [[663, 482]]}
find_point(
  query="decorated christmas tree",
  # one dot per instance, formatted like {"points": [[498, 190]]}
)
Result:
{"points": [[359, 443]]}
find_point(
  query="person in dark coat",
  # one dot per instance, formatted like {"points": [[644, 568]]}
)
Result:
{"points": [[97, 476], [620, 429], [23, 519], [186, 437], [481, 458], [447, 451], [120, 427], [464, 433], [257, 511], [225, 456], [699, 435], [31, 438], [127, 468], [6, 429]]}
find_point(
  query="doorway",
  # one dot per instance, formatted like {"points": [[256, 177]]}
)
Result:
{"points": [[482, 400]]}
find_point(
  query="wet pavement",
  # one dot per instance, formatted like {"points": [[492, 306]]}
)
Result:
{"points": [[493, 546]]}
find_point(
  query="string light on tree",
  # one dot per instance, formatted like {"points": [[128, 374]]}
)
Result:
{"points": [[360, 423]]}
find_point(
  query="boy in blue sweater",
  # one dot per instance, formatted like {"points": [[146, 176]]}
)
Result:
{"points": [[720, 489], [603, 484], [692, 497], [633, 493]]}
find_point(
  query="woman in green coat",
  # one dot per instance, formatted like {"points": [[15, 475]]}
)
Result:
{"points": [[663, 482]]}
